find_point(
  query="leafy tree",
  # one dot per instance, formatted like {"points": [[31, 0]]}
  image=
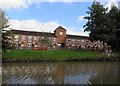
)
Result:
{"points": [[6, 38]]}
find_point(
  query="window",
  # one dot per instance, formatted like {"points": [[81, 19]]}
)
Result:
{"points": [[15, 44], [29, 44], [68, 40], [73, 42], [98, 42], [35, 38], [78, 40], [90, 43], [82, 41], [42, 38], [54, 39], [23, 37], [16, 37], [29, 38], [95, 42], [86, 41]]}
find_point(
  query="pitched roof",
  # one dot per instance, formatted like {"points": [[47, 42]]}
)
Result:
{"points": [[60, 27]]}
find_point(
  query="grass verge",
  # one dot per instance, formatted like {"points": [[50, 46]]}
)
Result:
{"points": [[54, 55]]}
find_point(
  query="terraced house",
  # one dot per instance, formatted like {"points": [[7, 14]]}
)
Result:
{"points": [[44, 40]]}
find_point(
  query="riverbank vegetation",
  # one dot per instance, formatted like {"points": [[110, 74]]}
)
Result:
{"points": [[55, 55]]}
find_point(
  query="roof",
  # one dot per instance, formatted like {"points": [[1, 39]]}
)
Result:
{"points": [[46, 33], [33, 33], [77, 36], [60, 27]]}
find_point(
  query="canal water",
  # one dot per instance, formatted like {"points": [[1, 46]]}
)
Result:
{"points": [[60, 73]]}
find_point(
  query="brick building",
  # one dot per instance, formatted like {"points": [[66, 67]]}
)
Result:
{"points": [[30, 39]]}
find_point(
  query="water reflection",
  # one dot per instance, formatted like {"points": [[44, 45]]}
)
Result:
{"points": [[60, 73]]}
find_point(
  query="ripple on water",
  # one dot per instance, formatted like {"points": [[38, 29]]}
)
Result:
{"points": [[82, 78], [60, 73], [20, 80]]}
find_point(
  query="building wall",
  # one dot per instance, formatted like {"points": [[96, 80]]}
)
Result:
{"points": [[61, 35], [30, 41]]}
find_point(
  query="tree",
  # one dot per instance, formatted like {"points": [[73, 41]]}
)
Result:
{"points": [[118, 31], [104, 25], [113, 16], [5, 32], [97, 22]]}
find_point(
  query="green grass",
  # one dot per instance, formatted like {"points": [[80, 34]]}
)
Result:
{"points": [[50, 54]]}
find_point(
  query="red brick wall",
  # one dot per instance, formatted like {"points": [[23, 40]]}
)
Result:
{"points": [[60, 38]]}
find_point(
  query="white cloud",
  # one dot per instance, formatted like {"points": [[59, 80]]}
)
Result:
{"points": [[23, 4], [18, 4], [111, 2], [80, 18], [34, 25], [81, 32], [14, 4]]}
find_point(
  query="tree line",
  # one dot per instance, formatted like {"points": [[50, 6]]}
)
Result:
{"points": [[104, 24]]}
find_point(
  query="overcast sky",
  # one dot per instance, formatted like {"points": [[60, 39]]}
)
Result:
{"points": [[36, 15]]}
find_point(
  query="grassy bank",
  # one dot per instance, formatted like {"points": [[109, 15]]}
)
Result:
{"points": [[54, 55]]}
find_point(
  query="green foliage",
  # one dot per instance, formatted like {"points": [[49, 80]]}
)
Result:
{"points": [[97, 22], [5, 33], [6, 40], [103, 25]]}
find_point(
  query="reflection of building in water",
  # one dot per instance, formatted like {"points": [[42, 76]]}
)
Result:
{"points": [[60, 73], [30, 39]]}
